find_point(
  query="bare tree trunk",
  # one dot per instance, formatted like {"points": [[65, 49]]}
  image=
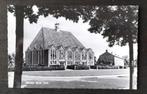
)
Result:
{"points": [[131, 61], [19, 46]]}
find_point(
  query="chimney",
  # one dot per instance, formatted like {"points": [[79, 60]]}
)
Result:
{"points": [[106, 50], [56, 27]]}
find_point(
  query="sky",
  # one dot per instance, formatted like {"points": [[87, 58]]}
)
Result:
{"points": [[79, 30]]}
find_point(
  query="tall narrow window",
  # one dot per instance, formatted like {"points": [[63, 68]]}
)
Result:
{"points": [[84, 55], [53, 54], [30, 57], [90, 56], [42, 57], [61, 54], [77, 55], [69, 55]]}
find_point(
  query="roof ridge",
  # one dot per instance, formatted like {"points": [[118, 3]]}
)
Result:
{"points": [[43, 38], [113, 55]]}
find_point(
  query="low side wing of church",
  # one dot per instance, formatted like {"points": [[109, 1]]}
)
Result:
{"points": [[51, 47]]}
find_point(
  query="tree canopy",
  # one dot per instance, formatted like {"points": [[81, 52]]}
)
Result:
{"points": [[112, 22], [116, 23]]}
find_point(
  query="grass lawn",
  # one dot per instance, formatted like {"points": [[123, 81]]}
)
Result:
{"points": [[92, 79], [91, 72]]}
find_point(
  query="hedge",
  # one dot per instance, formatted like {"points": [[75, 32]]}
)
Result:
{"points": [[78, 67], [41, 68]]}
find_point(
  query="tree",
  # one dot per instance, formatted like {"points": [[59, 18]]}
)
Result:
{"points": [[119, 24], [20, 12]]}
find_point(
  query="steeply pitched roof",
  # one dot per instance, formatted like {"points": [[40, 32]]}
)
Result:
{"points": [[47, 37]]}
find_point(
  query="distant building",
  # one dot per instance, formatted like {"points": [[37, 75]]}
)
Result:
{"points": [[52, 47], [110, 59]]}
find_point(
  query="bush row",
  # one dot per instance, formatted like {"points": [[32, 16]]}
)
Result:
{"points": [[78, 67], [40, 68], [108, 67], [62, 67]]}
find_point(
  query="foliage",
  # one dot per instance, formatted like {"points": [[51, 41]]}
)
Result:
{"points": [[69, 12], [28, 13], [113, 22], [11, 60]]}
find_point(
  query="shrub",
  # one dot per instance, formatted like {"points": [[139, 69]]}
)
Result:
{"points": [[71, 67], [78, 67], [93, 67], [82, 67], [120, 67]]}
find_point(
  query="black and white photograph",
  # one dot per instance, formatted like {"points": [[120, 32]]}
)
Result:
{"points": [[73, 46]]}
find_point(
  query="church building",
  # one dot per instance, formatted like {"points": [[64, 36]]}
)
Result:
{"points": [[53, 47]]}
